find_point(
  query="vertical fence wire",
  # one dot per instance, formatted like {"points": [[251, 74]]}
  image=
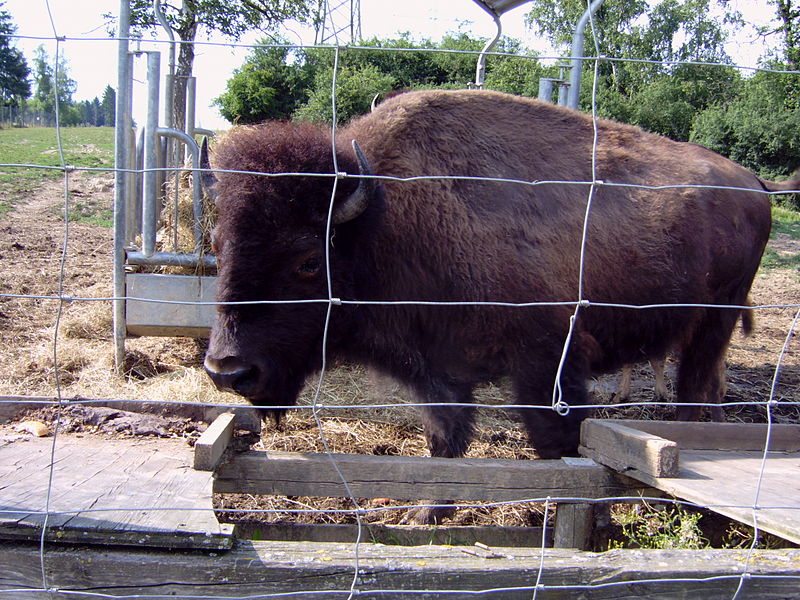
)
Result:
{"points": [[316, 406], [60, 304]]}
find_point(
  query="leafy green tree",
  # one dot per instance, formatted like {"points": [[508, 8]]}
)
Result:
{"points": [[14, 71], [759, 128], [271, 84], [355, 90], [50, 82], [232, 18], [108, 106], [643, 83], [788, 15], [276, 83]]}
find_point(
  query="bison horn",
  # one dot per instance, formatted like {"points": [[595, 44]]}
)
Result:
{"points": [[357, 202], [208, 180]]}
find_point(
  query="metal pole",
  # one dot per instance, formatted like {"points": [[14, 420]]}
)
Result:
{"points": [[546, 89], [169, 91], [197, 192], [122, 137], [577, 55], [480, 68], [150, 202], [134, 178]]}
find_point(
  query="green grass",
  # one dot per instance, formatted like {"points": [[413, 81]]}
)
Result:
{"points": [[83, 147], [785, 222]]}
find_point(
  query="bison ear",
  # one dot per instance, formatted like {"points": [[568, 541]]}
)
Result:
{"points": [[208, 180], [357, 202]]}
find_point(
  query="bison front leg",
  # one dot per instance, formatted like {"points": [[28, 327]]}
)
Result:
{"points": [[552, 434], [701, 374], [448, 430]]}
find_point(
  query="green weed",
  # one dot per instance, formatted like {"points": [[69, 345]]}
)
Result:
{"points": [[658, 528]]}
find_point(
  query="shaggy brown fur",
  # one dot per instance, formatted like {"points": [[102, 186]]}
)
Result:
{"points": [[475, 241]]}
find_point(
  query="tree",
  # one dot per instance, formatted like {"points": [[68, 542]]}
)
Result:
{"points": [[271, 84], [758, 128], [788, 13], [50, 81], [108, 106], [355, 90], [232, 18], [654, 90], [275, 83], [14, 71]]}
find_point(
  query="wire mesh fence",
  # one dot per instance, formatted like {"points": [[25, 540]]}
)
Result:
{"points": [[355, 571]]}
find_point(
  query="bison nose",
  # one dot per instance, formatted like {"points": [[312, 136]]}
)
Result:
{"points": [[232, 374]]}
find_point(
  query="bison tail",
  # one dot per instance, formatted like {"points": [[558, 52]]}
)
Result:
{"points": [[791, 184], [747, 320]]}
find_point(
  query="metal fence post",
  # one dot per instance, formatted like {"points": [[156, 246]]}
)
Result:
{"points": [[122, 143]]}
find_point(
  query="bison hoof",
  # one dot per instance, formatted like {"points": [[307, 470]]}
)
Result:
{"points": [[427, 515]]}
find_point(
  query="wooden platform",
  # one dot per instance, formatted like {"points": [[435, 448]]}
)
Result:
{"points": [[129, 491], [717, 465]]}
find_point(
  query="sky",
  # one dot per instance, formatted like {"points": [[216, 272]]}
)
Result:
{"points": [[92, 57]]}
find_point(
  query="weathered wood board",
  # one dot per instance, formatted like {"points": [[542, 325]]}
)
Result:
{"points": [[415, 478], [711, 471], [246, 417], [326, 570], [210, 447], [129, 491], [165, 318]]}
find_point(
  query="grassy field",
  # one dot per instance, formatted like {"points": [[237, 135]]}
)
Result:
{"points": [[83, 147]]}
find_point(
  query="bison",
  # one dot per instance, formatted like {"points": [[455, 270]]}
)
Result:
{"points": [[383, 252]]}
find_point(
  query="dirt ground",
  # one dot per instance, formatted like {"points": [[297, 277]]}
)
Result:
{"points": [[31, 241]]}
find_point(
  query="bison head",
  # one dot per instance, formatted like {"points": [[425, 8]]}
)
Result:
{"points": [[273, 247]]}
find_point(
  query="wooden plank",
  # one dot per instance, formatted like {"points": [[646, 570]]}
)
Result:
{"points": [[574, 525], [414, 478], [722, 436], [247, 417], [210, 446], [623, 447], [156, 318], [396, 535], [109, 491], [727, 482], [421, 572]]}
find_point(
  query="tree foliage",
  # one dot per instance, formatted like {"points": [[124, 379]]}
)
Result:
{"points": [[231, 18], [276, 83], [52, 84], [758, 127], [14, 71]]}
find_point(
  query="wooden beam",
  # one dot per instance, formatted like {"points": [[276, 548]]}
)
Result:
{"points": [[622, 447], [396, 535], [419, 572], [247, 417], [211, 445], [415, 478], [574, 525], [722, 436]]}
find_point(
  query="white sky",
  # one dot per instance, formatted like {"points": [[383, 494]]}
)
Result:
{"points": [[91, 57]]}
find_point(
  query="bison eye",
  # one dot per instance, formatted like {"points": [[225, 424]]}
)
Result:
{"points": [[310, 266]]}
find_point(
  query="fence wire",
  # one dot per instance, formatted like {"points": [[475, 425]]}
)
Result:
{"points": [[359, 582]]}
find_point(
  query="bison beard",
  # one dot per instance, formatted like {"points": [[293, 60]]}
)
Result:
{"points": [[447, 240]]}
